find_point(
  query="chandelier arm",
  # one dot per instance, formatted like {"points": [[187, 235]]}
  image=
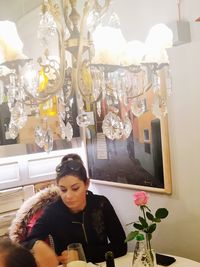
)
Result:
{"points": [[101, 9], [86, 10], [86, 96], [152, 66], [65, 6], [60, 81], [60, 31]]}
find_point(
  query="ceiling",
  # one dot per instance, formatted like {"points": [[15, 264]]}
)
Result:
{"points": [[14, 9]]}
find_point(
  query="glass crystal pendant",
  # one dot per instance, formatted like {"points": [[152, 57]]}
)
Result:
{"points": [[69, 131], [13, 130], [112, 126], [83, 120], [159, 106], [66, 130], [47, 28], [30, 78], [156, 82], [62, 128], [18, 115], [48, 141], [39, 136], [127, 127], [138, 106]]}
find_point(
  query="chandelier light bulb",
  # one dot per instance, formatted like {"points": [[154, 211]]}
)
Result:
{"points": [[134, 53], [109, 44], [159, 38], [11, 46]]}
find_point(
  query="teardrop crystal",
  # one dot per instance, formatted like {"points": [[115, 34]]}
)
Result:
{"points": [[159, 106], [69, 131], [13, 130], [39, 136], [138, 106], [48, 141], [18, 115], [127, 127]]}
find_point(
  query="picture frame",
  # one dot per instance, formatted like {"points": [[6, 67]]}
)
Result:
{"points": [[141, 162]]}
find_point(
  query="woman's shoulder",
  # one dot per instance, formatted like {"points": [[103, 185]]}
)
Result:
{"points": [[94, 198], [57, 204]]}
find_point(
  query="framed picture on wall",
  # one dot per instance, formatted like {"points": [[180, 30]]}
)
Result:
{"points": [[142, 161]]}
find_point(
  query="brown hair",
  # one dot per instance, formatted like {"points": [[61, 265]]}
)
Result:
{"points": [[14, 255]]}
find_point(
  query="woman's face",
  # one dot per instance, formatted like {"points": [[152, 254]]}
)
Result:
{"points": [[73, 192]]}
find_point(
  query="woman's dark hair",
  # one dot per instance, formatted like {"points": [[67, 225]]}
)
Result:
{"points": [[14, 255], [71, 164], [72, 156]]}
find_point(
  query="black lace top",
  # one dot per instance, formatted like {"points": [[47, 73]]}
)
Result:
{"points": [[97, 228]]}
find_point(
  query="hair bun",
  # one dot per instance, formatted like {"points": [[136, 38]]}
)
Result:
{"points": [[72, 156]]}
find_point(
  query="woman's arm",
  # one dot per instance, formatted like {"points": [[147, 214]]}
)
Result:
{"points": [[40, 231], [36, 240], [44, 255]]}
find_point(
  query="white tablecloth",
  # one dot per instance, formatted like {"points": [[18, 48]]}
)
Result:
{"points": [[126, 261]]}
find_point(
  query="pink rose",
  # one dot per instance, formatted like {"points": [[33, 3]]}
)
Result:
{"points": [[140, 198]]}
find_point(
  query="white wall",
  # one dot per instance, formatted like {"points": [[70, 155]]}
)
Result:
{"points": [[179, 234]]}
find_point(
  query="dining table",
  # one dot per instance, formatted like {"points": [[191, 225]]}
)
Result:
{"points": [[126, 261]]}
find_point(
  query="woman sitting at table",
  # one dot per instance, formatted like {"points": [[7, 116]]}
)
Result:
{"points": [[12, 255], [77, 216]]}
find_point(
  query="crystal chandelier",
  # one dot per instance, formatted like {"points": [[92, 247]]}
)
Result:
{"points": [[105, 75]]}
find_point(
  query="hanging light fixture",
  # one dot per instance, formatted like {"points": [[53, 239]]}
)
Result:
{"points": [[105, 75]]}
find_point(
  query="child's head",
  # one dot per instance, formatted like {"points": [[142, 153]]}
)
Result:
{"points": [[13, 255]]}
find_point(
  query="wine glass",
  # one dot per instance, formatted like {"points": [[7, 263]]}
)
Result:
{"points": [[76, 255]]}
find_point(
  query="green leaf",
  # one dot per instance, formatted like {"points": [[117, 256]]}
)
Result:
{"points": [[138, 226], [143, 222], [132, 235], [150, 216], [152, 228], [157, 220], [161, 213]]}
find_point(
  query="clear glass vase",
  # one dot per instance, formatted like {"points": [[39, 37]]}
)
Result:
{"points": [[153, 257], [150, 250], [142, 256]]}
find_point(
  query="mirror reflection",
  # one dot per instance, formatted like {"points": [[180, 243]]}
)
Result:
{"points": [[30, 127]]}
